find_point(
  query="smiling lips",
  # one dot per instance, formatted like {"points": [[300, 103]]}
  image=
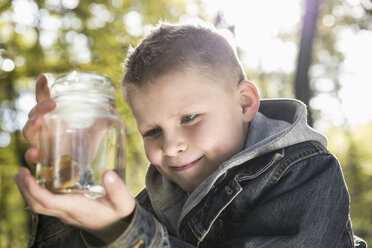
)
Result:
{"points": [[186, 166]]}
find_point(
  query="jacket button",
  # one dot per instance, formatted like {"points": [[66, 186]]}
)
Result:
{"points": [[228, 190]]}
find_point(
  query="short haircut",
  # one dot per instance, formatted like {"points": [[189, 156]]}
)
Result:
{"points": [[172, 48]]}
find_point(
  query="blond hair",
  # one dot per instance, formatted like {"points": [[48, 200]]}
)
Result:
{"points": [[172, 48]]}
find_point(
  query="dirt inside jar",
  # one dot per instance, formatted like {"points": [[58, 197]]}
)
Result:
{"points": [[60, 174]]}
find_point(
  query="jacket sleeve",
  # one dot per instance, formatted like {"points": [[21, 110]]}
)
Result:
{"points": [[49, 231], [303, 203], [143, 231]]}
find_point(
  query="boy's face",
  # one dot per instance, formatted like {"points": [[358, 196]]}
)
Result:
{"points": [[189, 125]]}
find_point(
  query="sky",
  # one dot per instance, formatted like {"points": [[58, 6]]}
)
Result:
{"points": [[256, 29]]}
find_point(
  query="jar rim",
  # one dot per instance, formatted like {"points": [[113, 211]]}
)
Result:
{"points": [[78, 81], [75, 74]]}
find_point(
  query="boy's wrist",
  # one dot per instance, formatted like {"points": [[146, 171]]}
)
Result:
{"points": [[109, 234], [143, 229], [129, 218]]}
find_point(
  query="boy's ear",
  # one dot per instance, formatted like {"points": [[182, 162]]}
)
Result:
{"points": [[249, 99]]}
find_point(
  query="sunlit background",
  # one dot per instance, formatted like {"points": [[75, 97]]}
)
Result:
{"points": [[57, 36], [259, 30], [258, 25]]}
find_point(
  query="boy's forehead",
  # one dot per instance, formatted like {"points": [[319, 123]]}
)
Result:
{"points": [[176, 93], [172, 98]]}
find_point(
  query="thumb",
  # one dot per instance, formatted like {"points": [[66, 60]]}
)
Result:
{"points": [[42, 89], [118, 193]]}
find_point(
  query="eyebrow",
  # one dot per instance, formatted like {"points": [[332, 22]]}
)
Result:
{"points": [[186, 108]]}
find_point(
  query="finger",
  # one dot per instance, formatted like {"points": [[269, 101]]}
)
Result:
{"points": [[18, 182], [42, 89], [31, 130], [42, 107], [33, 155], [118, 193], [39, 199], [25, 185]]}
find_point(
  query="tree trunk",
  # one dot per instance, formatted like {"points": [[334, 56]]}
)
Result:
{"points": [[301, 84]]}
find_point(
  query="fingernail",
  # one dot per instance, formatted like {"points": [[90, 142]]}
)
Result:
{"points": [[111, 177], [43, 81]]}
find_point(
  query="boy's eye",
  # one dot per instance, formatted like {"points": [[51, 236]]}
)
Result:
{"points": [[151, 132], [188, 118]]}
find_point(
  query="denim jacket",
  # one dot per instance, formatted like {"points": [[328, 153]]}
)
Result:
{"points": [[283, 190]]}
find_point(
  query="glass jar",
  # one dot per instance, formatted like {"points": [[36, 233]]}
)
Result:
{"points": [[82, 137]]}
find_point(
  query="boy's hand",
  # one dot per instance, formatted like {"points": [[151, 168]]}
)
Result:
{"points": [[103, 217], [31, 130]]}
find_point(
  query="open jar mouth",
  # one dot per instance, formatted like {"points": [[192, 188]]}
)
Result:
{"points": [[77, 82]]}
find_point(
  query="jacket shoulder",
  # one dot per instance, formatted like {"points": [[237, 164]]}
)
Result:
{"points": [[288, 169], [307, 148], [278, 161]]}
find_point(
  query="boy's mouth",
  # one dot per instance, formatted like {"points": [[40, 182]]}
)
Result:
{"points": [[179, 168]]}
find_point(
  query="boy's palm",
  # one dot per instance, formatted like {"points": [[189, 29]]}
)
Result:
{"points": [[104, 217]]}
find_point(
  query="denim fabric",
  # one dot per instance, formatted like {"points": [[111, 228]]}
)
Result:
{"points": [[143, 231], [292, 197], [51, 232]]}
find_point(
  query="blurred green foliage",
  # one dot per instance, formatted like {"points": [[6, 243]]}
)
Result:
{"points": [[55, 36], [13, 217], [353, 149]]}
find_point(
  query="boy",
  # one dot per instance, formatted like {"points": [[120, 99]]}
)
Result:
{"points": [[227, 170]]}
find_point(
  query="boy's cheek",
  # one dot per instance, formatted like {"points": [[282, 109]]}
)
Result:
{"points": [[152, 154]]}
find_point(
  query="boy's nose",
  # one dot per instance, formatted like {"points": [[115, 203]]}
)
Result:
{"points": [[173, 145]]}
